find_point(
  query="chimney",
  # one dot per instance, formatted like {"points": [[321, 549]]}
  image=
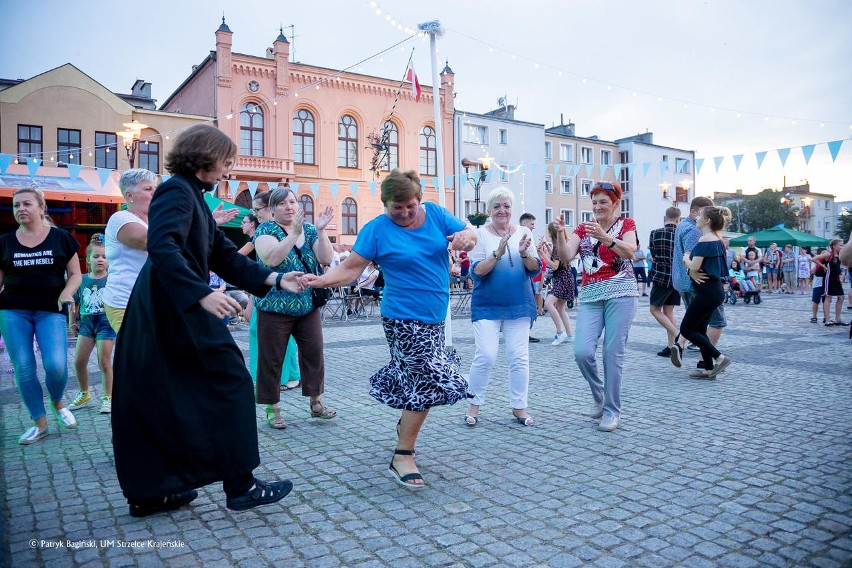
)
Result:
{"points": [[141, 89]]}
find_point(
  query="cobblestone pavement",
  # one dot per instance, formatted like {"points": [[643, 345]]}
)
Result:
{"points": [[752, 469]]}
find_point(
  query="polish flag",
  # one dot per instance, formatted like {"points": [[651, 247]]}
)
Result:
{"points": [[411, 76]]}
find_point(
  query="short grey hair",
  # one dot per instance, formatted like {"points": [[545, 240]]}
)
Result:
{"points": [[278, 195], [132, 178], [500, 192]]}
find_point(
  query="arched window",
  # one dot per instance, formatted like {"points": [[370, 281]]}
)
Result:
{"points": [[391, 161], [347, 142], [349, 217], [303, 137], [307, 207], [251, 130], [428, 152]]}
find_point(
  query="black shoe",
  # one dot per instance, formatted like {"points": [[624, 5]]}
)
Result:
{"points": [[666, 352], [261, 493], [534, 339], [168, 503], [700, 365]]}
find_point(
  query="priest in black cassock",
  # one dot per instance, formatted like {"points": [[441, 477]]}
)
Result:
{"points": [[183, 402]]}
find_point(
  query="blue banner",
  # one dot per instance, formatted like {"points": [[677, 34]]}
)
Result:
{"points": [[808, 151], [698, 163], [783, 153], [74, 170], [252, 188], [718, 161], [32, 165], [760, 156], [737, 159], [353, 187], [103, 175], [834, 148], [295, 186], [314, 189], [372, 185], [602, 169], [436, 182], [645, 167], [5, 160], [334, 187]]}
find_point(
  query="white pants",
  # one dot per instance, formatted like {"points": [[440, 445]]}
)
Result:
{"points": [[486, 334]]}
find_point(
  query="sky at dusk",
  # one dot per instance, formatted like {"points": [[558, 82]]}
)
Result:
{"points": [[683, 70]]}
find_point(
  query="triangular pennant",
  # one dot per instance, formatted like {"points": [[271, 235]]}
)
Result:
{"points": [[737, 159], [556, 168], [314, 189], [718, 161], [294, 185], [422, 184], [74, 170], [783, 153], [617, 169], [252, 188], [645, 167], [103, 175], [334, 187], [164, 178], [760, 156], [489, 175], [214, 189], [808, 151], [630, 167], [32, 165], [602, 169], [834, 148], [5, 160], [353, 187], [449, 180], [436, 182], [698, 163], [664, 165], [372, 185]]}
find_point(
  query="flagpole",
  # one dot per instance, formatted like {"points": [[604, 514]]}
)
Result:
{"points": [[435, 31]]}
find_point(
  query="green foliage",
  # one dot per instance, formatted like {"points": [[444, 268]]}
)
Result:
{"points": [[844, 226], [766, 210]]}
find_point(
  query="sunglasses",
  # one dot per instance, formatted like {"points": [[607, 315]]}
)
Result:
{"points": [[606, 186]]}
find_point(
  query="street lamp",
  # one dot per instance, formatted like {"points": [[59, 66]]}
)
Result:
{"points": [[477, 218], [665, 187], [131, 137]]}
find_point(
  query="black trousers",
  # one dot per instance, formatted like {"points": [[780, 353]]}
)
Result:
{"points": [[708, 296]]}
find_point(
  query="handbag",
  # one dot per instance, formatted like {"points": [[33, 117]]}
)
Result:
{"points": [[319, 296]]}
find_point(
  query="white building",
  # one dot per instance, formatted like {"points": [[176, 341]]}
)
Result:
{"points": [[510, 147], [650, 189]]}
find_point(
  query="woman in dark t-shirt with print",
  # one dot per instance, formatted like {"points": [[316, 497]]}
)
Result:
{"points": [[710, 257], [34, 299]]}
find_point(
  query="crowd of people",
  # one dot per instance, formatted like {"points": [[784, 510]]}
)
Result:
{"points": [[157, 294]]}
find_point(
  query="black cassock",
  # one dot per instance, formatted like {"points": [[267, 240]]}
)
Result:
{"points": [[183, 411]]}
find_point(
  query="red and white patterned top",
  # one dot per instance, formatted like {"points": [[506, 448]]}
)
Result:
{"points": [[605, 274]]}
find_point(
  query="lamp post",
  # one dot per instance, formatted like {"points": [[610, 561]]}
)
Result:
{"points": [[477, 218], [665, 188], [131, 137]]}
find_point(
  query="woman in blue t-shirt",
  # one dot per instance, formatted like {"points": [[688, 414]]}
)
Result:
{"points": [[39, 273], [710, 257], [409, 241]]}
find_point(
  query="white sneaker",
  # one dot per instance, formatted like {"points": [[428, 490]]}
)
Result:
{"points": [[597, 410], [608, 423], [33, 435], [106, 404], [65, 418], [559, 338], [83, 398]]}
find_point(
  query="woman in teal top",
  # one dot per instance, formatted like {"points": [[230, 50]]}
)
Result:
{"points": [[409, 242]]}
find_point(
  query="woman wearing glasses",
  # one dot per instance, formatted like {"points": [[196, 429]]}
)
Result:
{"points": [[502, 263], [608, 296]]}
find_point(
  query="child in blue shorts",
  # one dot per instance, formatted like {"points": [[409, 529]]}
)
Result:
{"points": [[95, 330]]}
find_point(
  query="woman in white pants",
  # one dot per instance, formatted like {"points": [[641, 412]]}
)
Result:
{"points": [[502, 263]]}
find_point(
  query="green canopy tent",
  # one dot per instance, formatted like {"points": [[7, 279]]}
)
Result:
{"points": [[214, 202], [780, 236]]}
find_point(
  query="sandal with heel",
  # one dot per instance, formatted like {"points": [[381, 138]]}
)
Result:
{"points": [[319, 410], [523, 420], [404, 479], [274, 418]]}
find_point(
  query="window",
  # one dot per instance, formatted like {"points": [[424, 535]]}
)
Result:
{"points": [[548, 183], [149, 156], [624, 157], [566, 186], [586, 154], [586, 217], [625, 172], [625, 207], [566, 152], [682, 194], [665, 162], [29, 142], [568, 214], [828, 226], [826, 204], [307, 204], [548, 215], [470, 207], [106, 148], [681, 166], [586, 187], [548, 151], [428, 152], [67, 146], [347, 144], [475, 134], [251, 130], [349, 217], [391, 160], [503, 136], [606, 157], [304, 137], [503, 173]]}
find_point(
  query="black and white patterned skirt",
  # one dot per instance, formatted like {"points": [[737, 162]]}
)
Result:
{"points": [[421, 373]]}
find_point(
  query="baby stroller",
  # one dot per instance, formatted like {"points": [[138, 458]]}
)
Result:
{"points": [[734, 291]]}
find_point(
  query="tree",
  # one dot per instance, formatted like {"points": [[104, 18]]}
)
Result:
{"points": [[844, 226], [766, 210]]}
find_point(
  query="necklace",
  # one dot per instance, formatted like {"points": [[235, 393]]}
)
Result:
{"points": [[502, 234]]}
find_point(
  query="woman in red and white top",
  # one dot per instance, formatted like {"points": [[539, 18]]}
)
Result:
{"points": [[608, 296]]}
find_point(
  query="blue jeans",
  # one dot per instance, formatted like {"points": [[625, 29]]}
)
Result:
{"points": [[18, 328], [615, 316]]}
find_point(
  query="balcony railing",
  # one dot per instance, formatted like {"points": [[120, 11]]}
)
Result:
{"points": [[264, 165]]}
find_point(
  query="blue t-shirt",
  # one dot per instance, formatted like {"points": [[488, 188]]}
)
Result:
{"points": [[714, 256], [415, 263]]}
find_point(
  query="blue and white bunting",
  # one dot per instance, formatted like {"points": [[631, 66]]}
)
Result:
{"points": [[5, 160], [252, 188], [698, 163], [664, 165], [602, 170], [556, 169], [334, 187], [808, 151], [645, 167], [630, 167], [372, 185], [718, 161], [32, 165], [353, 187], [834, 148], [74, 170], [314, 189], [294, 185], [436, 182], [103, 175], [760, 157], [616, 168], [737, 159], [783, 153]]}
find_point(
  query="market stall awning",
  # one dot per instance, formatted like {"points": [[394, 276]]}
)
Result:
{"points": [[214, 202], [58, 185], [781, 236]]}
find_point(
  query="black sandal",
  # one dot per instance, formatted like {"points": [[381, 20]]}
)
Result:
{"points": [[261, 493], [404, 479], [162, 504]]}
